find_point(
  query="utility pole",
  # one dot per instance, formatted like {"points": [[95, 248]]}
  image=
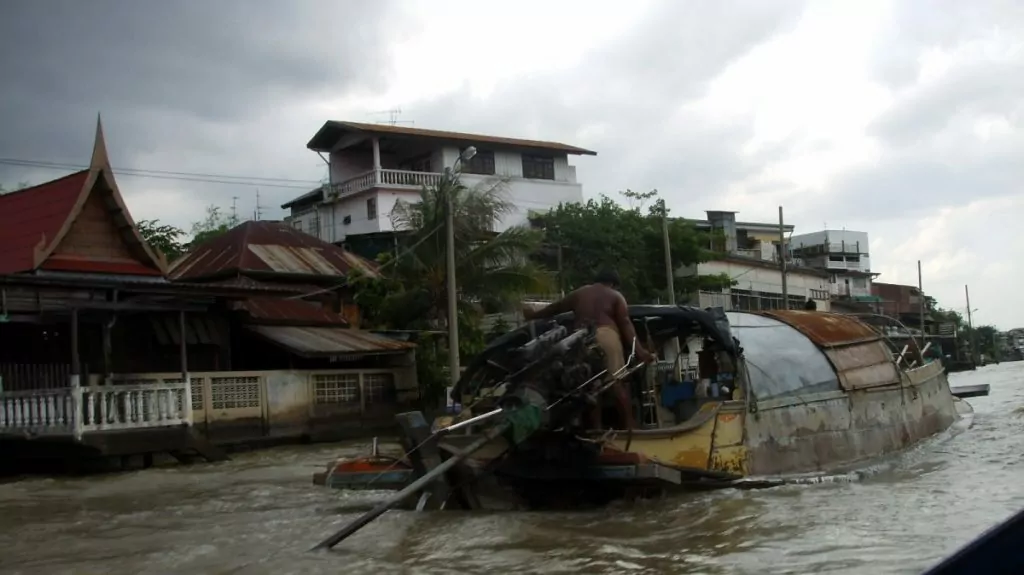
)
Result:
{"points": [[453, 312], [920, 292], [782, 260], [561, 277], [669, 272], [448, 184], [970, 327]]}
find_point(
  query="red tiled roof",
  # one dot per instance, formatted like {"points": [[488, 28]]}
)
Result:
{"points": [[290, 311], [31, 218], [35, 220], [269, 247]]}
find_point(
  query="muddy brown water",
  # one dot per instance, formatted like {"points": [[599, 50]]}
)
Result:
{"points": [[259, 513]]}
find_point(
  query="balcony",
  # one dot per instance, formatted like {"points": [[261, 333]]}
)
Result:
{"points": [[852, 266], [382, 178]]}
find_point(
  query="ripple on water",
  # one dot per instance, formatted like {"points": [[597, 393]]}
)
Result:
{"points": [[259, 514]]}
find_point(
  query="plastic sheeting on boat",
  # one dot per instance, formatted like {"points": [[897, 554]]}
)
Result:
{"points": [[780, 360], [856, 351]]}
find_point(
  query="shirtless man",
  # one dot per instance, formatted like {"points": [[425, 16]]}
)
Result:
{"points": [[600, 304]]}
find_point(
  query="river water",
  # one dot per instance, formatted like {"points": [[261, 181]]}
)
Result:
{"points": [[259, 513]]}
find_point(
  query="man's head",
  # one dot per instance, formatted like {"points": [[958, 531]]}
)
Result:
{"points": [[608, 278]]}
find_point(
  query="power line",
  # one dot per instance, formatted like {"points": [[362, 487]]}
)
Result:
{"points": [[172, 175]]}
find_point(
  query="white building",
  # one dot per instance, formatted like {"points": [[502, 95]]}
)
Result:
{"points": [[751, 260], [374, 166], [844, 254]]}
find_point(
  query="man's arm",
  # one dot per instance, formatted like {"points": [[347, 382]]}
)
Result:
{"points": [[567, 303], [626, 330]]}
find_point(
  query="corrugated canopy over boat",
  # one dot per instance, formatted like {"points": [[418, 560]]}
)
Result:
{"points": [[330, 341], [791, 352], [268, 248]]}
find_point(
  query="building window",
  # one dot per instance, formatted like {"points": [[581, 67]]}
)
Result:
{"points": [[297, 224], [538, 167], [311, 226], [482, 163], [371, 209], [419, 163]]}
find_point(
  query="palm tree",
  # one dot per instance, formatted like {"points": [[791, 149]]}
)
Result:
{"points": [[492, 269]]}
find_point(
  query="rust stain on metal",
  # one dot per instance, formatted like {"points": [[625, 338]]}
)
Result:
{"points": [[826, 329], [257, 246], [694, 457]]}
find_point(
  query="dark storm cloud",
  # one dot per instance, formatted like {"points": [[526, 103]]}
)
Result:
{"points": [[626, 100], [174, 80]]}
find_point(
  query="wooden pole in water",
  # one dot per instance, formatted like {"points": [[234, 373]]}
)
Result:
{"points": [[415, 486]]}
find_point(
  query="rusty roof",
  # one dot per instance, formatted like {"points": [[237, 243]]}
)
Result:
{"points": [[328, 135], [330, 341], [290, 311], [270, 248], [826, 329]]}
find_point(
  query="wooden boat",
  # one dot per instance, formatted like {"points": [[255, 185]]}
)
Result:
{"points": [[748, 396]]}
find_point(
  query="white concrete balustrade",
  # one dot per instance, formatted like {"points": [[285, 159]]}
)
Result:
{"points": [[78, 410], [118, 407], [41, 412], [273, 403], [385, 178]]}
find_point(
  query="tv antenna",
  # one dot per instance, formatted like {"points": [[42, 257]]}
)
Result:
{"points": [[234, 207], [393, 117], [258, 212]]}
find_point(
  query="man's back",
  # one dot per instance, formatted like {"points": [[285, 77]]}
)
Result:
{"points": [[596, 304]]}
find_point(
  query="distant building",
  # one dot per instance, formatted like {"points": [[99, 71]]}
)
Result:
{"points": [[903, 302], [752, 259], [374, 166], [844, 254]]}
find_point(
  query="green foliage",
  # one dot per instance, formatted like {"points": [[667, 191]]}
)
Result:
{"points": [[163, 237], [214, 224], [603, 234], [491, 269]]}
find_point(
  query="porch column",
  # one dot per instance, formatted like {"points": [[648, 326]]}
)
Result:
{"points": [[187, 406], [77, 408], [376, 158]]}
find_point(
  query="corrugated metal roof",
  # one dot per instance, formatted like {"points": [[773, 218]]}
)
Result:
{"points": [[333, 130], [330, 341], [265, 309], [262, 246], [826, 329]]}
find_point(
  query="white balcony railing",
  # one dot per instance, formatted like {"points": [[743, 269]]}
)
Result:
{"points": [[78, 410], [383, 178]]}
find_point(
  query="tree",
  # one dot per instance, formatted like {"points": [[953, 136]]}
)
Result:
{"points": [[214, 224], [602, 233], [163, 237], [492, 270]]}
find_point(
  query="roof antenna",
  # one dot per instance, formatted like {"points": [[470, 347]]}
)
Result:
{"points": [[393, 117], [234, 207], [258, 211]]}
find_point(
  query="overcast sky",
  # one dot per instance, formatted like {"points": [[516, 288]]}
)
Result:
{"points": [[901, 119]]}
